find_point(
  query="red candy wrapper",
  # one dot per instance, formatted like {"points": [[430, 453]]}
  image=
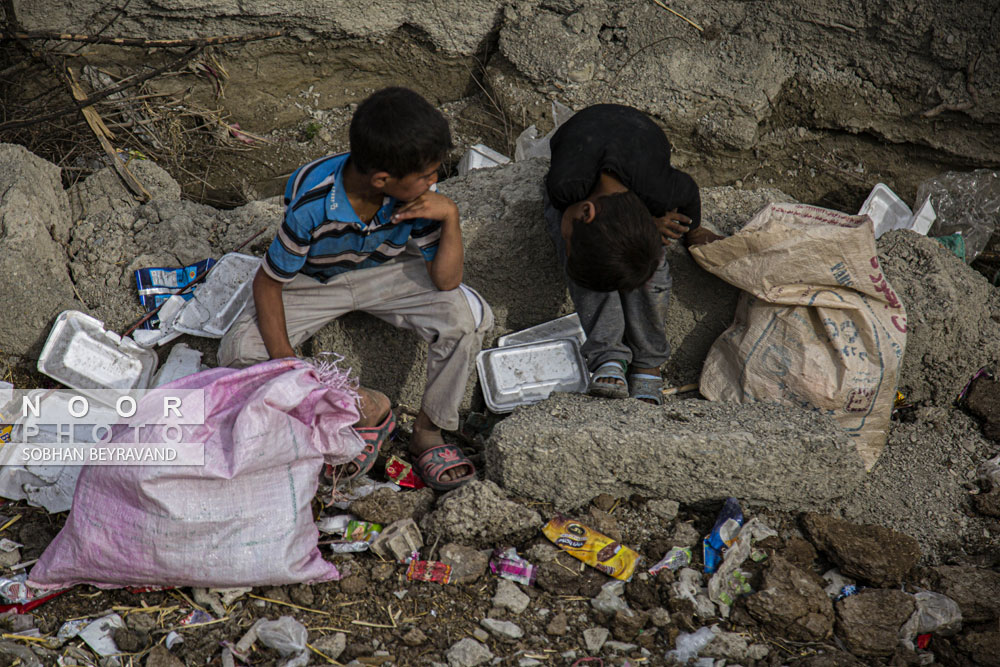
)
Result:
{"points": [[402, 473], [428, 570]]}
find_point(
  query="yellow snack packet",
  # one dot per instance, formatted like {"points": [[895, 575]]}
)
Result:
{"points": [[593, 548]]}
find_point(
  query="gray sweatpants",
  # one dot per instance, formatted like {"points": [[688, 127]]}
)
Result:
{"points": [[626, 326], [398, 292]]}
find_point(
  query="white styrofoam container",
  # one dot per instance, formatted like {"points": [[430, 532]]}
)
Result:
{"points": [[220, 299], [523, 374], [567, 326], [480, 156], [887, 212], [83, 355]]}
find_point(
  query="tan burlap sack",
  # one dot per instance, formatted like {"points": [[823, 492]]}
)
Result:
{"points": [[817, 324]]}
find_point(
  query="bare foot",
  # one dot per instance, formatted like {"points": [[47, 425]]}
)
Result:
{"points": [[374, 406], [426, 435]]}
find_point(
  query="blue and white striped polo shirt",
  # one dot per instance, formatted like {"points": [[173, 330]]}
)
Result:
{"points": [[322, 236]]}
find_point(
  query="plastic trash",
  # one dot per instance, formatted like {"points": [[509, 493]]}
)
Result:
{"points": [[674, 559], [935, 613], [529, 144], [157, 284], [689, 644], [887, 212], [728, 582], [98, 634], [727, 527], [181, 362], [480, 156], [508, 565], [286, 636], [966, 202], [835, 582], [428, 570], [593, 548], [989, 471]]}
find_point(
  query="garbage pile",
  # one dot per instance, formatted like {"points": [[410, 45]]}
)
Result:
{"points": [[625, 533]]}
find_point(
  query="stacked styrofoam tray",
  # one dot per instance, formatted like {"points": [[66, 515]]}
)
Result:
{"points": [[220, 299], [567, 326], [523, 374], [82, 355]]}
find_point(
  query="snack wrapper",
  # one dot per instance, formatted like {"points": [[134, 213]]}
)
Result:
{"points": [[361, 531], [593, 548], [507, 564], [428, 570], [401, 472]]}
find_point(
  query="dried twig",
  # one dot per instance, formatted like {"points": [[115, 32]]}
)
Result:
{"points": [[81, 104], [136, 41], [104, 136], [679, 15], [969, 87]]}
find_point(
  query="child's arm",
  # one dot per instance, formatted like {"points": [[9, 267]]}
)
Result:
{"points": [[445, 269], [271, 315]]}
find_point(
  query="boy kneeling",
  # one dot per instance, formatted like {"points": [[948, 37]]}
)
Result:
{"points": [[362, 231], [612, 202]]}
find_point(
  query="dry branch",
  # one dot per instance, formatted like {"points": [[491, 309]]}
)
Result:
{"points": [[137, 41]]}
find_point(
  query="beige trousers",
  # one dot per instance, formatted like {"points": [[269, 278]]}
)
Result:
{"points": [[398, 292]]}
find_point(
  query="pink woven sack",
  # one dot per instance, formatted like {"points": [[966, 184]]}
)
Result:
{"points": [[242, 519]]}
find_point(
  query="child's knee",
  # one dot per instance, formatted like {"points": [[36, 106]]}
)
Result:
{"points": [[468, 313]]}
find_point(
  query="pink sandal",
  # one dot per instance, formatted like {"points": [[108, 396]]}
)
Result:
{"points": [[436, 461], [374, 437]]}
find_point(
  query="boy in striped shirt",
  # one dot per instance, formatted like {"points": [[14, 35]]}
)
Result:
{"points": [[363, 231]]}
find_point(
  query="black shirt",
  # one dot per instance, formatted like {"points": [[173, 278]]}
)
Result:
{"points": [[625, 143]]}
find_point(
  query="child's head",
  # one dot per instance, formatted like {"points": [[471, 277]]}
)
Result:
{"points": [[612, 243], [399, 137]]}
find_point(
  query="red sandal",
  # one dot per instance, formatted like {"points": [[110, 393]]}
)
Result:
{"points": [[436, 461], [374, 437]]}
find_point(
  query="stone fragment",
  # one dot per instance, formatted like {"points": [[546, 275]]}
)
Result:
{"points": [[558, 625], [468, 652], [603, 523], [663, 509], [479, 514], [594, 639], [570, 447], [509, 596], [502, 629], [874, 554], [414, 637], [159, 656], [481, 635], [790, 604], [982, 647], [869, 620], [331, 645], [728, 645], [386, 506], [355, 584], [467, 564]]}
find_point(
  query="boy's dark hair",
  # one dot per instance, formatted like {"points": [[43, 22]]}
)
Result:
{"points": [[619, 249], [397, 131]]}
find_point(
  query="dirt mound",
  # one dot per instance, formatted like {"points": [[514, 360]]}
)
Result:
{"points": [[953, 317]]}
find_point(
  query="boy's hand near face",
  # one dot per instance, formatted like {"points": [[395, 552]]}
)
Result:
{"points": [[700, 236], [672, 226], [445, 269]]}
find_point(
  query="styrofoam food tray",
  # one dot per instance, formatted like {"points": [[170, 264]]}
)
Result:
{"points": [[523, 374], [886, 210], [82, 355], [220, 299], [567, 326]]}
